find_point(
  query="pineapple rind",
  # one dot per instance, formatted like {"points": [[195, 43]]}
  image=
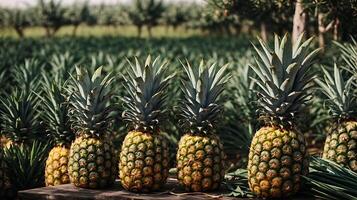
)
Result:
{"points": [[56, 172], [92, 163], [200, 162], [277, 160], [144, 162], [341, 144]]}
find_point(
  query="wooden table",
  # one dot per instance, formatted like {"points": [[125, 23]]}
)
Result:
{"points": [[69, 192]]}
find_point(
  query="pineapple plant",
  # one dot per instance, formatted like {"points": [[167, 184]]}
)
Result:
{"points": [[200, 155], [240, 117], [144, 156], [55, 114], [27, 163], [24, 152], [341, 140], [5, 183], [278, 156], [19, 108], [20, 119], [92, 157], [329, 180], [4, 179]]}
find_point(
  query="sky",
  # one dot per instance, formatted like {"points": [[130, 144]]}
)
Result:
{"points": [[23, 3]]}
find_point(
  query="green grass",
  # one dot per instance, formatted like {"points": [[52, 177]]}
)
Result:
{"points": [[98, 31]]}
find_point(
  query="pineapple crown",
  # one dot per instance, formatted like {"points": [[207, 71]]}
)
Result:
{"points": [[283, 79], [56, 111], [341, 97], [349, 55], [90, 111], [201, 89], [19, 116], [146, 100]]}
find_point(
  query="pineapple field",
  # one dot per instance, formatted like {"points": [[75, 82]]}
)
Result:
{"points": [[156, 101]]}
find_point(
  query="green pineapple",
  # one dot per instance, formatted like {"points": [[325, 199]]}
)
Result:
{"points": [[200, 156], [144, 157], [341, 140], [278, 156], [92, 159]]}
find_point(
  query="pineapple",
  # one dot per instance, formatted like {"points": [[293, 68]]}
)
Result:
{"points": [[56, 109], [92, 157], [278, 157], [200, 156], [144, 156], [341, 141]]}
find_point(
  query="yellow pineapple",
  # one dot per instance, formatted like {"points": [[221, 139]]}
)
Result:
{"points": [[58, 127], [278, 156], [200, 156], [144, 156], [341, 140], [92, 157]]}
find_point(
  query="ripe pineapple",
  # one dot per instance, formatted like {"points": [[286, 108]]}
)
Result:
{"points": [[278, 156], [144, 156], [55, 114], [200, 156], [341, 141], [92, 158]]}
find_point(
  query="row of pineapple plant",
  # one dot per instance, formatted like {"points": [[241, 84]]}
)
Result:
{"points": [[22, 149], [277, 157], [92, 161]]}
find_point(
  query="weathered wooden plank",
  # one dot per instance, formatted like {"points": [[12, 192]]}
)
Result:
{"points": [[69, 192], [171, 192]]}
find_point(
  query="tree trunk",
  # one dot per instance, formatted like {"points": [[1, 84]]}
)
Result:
{"points": [[336, 28], [19, 31], [55, 30], [263, 32], [48, 31], [299, 22], [323, 29], [139, 30], [74, 31], [149, 30], [321, 40]]}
